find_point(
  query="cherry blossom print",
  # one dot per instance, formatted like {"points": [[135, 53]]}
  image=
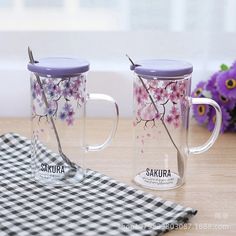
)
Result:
{"points": [[140, 94], [167, 97], [64, 95]]}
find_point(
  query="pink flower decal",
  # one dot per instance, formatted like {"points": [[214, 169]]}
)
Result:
{"points": [[168, 96], [61, 93], [140, 94]]}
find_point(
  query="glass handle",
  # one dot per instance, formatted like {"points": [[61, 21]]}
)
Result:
{"points": [[215, 132], [107, 98]]}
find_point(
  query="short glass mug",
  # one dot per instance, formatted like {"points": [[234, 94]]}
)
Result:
{"points": [[59, 100], [161, 119]]}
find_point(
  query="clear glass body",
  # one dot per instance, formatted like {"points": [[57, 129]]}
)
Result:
{"points": [[161, 121], [58, 128]]}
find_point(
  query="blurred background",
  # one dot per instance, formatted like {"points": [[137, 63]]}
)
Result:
{"points": [[202, 32]]}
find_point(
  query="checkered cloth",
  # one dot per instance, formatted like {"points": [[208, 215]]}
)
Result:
{"points": [[97, 206]]}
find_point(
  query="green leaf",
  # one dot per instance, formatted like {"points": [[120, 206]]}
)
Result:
{"points": [[224, 67]]}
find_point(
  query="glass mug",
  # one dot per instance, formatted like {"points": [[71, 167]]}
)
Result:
{"points": [[59, 100], [161, 119]]}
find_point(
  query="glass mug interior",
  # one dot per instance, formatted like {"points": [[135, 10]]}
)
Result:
{"points": [[59, 100], [161, 121], [161, 130], [66, 100]]}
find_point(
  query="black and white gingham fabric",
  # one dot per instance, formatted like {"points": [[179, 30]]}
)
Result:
{"points": [[97, 206]]}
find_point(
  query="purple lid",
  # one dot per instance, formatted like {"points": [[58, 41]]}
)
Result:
{"points": [[162, 68], [59, 66]]}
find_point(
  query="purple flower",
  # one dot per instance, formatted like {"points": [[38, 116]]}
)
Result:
{"points": [[67, 84], [221, 87], [232, 127], [212, 119], [49, 85], [65, 92], [68, 92], [71, 113], [234, 65], [211, 83], [232, 122], [51, 93], [33, 108], [197, 92], [50, 111], [51, 88], [69, 121], [222, 100], [169, 119], [67, 113], [77, 95], [52, 108], [62, 115], [71, 92], [40, 102], [36, 90], [226, 83], [57, 90], [76, 83], [33, 94], [54, 89], [75, 90], [74, 87], [201, 113], [67, 107]]}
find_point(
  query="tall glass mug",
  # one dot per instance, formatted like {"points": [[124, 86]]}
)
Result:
{"points": [[59, 100], [161, 119]]}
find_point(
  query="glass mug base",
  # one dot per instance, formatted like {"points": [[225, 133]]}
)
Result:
{"points": [[70, 176], [171, 181]]}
